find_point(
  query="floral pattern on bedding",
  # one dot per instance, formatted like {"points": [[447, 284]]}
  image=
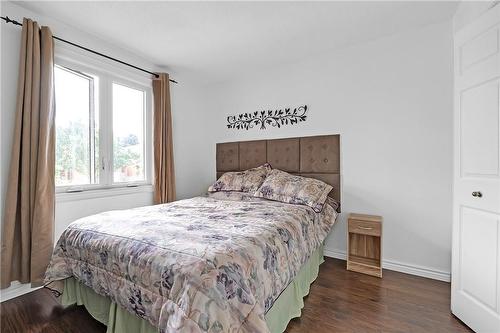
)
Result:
{"points": [[206, 264], [241, 181], [282, 186]]}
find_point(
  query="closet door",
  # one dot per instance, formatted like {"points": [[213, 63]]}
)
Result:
{"points": [[475, 296]]}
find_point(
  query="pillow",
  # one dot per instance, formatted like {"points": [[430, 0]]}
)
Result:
{"points": [[231, 196], [332, 202], [241, 181], [284, 187]]}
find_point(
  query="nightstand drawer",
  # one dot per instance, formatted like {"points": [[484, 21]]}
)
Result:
{"points": [[364, 227]]}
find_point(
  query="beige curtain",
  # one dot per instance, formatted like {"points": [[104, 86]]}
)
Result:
{"points": [[28, 223], [163, 145]]}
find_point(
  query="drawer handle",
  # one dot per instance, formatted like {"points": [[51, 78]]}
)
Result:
{"points": [[365, 228]]}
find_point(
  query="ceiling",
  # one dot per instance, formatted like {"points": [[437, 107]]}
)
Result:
{"points": [[217, 41]]}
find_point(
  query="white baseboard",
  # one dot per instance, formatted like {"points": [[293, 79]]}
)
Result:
{"points": [[399, 267], [16, 289]]}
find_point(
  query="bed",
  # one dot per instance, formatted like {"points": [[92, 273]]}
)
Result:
{"points": [[223, 262]]}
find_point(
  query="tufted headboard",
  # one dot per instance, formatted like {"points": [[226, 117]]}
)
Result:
{"points": [[311, 156]]}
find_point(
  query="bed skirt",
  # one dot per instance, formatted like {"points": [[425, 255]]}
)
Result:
{"points": [[288, 305]]}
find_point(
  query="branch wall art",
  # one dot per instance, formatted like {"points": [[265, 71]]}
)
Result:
{"points": [[276, 118]]}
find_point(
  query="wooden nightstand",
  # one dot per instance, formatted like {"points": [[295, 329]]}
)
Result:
{"points": [[364, 244]]}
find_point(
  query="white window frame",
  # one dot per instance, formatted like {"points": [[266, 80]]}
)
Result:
{"points": [[108, 74]]}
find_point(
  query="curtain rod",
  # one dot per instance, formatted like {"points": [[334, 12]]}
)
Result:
{"points": [[9, 20]]}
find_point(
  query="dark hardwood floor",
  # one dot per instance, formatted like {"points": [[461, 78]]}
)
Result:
{"points": [[339, 301], [345, 301]]}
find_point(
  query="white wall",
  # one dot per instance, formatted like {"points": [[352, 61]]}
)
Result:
{"points": [[185, 109], [391, 101], [192, 145]]}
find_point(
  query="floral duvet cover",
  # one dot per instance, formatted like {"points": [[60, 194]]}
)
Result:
{"points": [[207, 264]]}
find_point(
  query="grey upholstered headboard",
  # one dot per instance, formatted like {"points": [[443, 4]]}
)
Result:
{"points": [[313, 156]]}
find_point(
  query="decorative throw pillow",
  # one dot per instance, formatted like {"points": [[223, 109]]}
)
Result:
{"points": [[284, 187], [242, 181]]}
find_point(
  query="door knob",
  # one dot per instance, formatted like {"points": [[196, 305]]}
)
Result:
{"points": [[477, 194]]}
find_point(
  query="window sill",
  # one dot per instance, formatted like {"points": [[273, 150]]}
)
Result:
{"points": [[102, 193]]}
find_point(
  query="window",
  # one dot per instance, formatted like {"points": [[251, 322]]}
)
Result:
{"points": [[128, 134], [103, 128], [76, 128]]}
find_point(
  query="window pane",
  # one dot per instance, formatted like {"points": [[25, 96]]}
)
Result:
{"points": [[76, 128], [128, 134]]}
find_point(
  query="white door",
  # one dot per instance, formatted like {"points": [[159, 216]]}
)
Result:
{"points": [[475, 295]]}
